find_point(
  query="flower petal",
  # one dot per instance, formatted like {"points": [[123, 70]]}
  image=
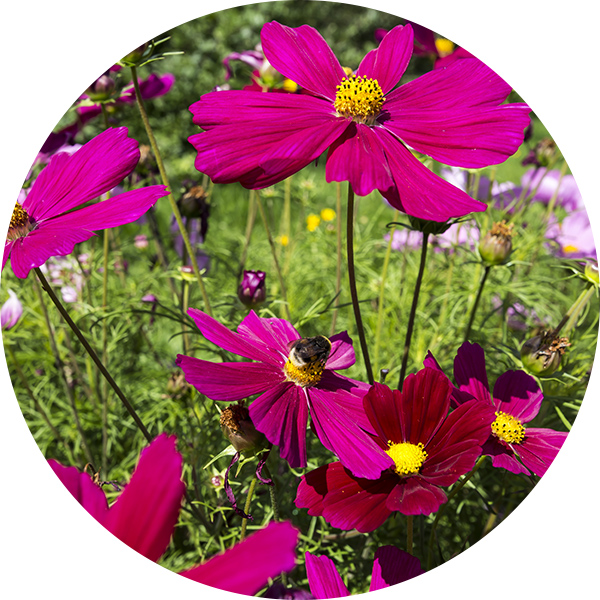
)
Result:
{"points": [[357, 157], [420, 192], [503, 456], [83, 489], [387, 63], [539, 448], [392, 566], [145, 514], [274, 334], [340, 433], [229, 381], [382, 407], [344, 501], [414, 496], [516, 393], [281, 414], [349, 394], [342, 352], [469, 371], [247, 566], [302, 55], [324, 580], [71, 180]]}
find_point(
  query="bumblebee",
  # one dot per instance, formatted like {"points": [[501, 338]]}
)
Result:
{"points": [[309, 351]]}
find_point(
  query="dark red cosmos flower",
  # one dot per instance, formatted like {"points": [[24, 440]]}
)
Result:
{"points": [[428, 448]]}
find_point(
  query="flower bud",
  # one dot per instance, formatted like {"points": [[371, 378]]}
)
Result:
{"points": [[238, 428], [496, 246], [429, 227], [135, 56], [252, 291], [543, 155], [101, 89], [541, 354], [591, 273], [11, 311], [177, 386]]}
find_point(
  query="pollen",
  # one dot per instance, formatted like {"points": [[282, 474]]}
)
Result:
{"points": [[359, 98], [306, 376], [19, 223], [508, 428], [408, 458]]}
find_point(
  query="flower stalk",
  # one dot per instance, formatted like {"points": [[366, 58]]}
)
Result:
{"points": [[484, 277]]}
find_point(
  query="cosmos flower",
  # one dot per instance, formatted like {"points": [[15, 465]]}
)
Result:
{"points": [[390, 567], [146, 512], [252, 290], [11, 311], [294, 376], [426, 448], [46, 225], [455, 115], [516, 399]]}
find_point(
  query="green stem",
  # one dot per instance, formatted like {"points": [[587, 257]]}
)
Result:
{"points": [[570, 319], [409, 534], [92, 354], [486, 272], [165, 180], [263, 215], [338, 273], [352, 281], [105, 353], [249, 228], [247, 506], [442, 508], [413, 310]]}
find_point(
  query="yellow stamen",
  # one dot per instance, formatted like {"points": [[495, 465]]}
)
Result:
{"points": [[359, 99], [444, 46], [408, 458], [508, 428], [20, 223], [305, 376]]}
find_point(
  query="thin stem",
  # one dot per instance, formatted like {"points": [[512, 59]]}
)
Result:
{"points": [[165, 180], [92, 354], [570, 319], [338, 273], [106, 249], [249, 228], [352, 281], [247, 506], [409, 534], [486, 272], [413, 310], [263, 215], [442, 508]]}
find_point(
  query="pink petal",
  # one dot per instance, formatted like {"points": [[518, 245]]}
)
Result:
{"points": [[392, 566], [469, 371], [246, 567], [342, 352], [302, 55], [229, 381], [349, 394], [7, 248], [387, 63], [274, 334], [83, 489], [281, 414], [413, 496], [71, 180], [145, 514], [420, 192], [518, 394], [323, 579], [340, 433], [503, 456], [357, 157], [382, 407], [539, 448]]}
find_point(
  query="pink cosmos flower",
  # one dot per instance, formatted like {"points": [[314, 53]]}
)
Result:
{"points": [[455, 115], [390, 567], [145, 514], [426, 448], [516, 399], [294, 376], [46, 224]]}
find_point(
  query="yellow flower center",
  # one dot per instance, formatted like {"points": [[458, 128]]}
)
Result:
{"points": [[305, 376], [359, 99], [307, 359], [508, 429], [408, 458], [570, 248], [444, 46], [19, 223], [328, 214], [312, 222]]}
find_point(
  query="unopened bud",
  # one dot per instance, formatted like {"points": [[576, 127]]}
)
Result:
{"points": [[591, 273], [135, 56], [238, 428], [541, 355], [101, 89], [496, 246], [252, 290]]}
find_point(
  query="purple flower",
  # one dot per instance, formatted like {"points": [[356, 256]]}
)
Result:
{"points": [[11, 311], [294, 376], [252, 290], [573, 237], [390, 567], [459, 234], [455, 115], [46, 225], [517, 399]]}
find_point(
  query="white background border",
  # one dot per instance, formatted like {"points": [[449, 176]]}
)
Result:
{"points": [[547, 51]]}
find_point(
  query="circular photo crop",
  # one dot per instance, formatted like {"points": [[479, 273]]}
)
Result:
{"points": [[299, 300]]}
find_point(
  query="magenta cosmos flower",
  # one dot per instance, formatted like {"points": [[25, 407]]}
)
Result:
{"points": [[46, 224], [294, 376], [145, 514], [390, 567], [426, 448], [455, 115], [517, 399]]}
